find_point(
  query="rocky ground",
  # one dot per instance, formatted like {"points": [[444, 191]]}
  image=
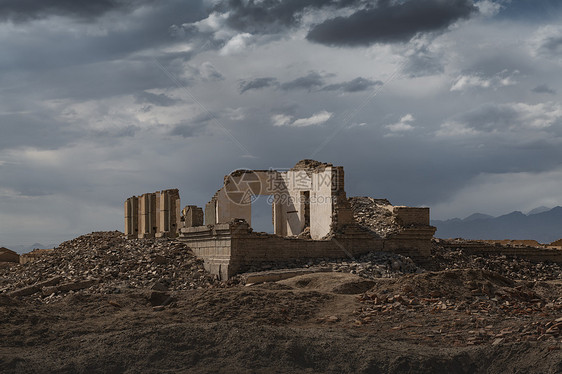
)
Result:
{"points": [[100, 303]]}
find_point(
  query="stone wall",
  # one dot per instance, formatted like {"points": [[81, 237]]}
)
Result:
{"points": [[230, 248], [192, 216], [152, 215], [408, 216]]}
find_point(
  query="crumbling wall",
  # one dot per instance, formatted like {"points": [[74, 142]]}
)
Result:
{"points": [[192, 216], [152, 215], [230, 248], [310, 195]]}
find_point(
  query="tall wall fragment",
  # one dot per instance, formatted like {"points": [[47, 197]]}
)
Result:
{"points": [[152, 215]]}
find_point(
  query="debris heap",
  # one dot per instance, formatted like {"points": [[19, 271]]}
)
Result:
{"points": [[105, 262], [375, 215], [468, 299], [514, 267]]}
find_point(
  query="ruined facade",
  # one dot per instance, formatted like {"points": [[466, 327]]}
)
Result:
{"points": [[311, 214], [152, 215], [309, 195]]}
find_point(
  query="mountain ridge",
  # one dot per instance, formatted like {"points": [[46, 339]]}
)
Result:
{"points": [[544, 226]]}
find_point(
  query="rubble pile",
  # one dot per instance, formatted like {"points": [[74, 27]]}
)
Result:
{"points": [[371, 265], [374, 215], [106, 262], [513, 267], [480, 300]]}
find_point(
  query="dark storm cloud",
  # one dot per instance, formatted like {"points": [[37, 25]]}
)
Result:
{"points": [[543, 88], [155, 99], [387, 23], [46, 47], [272, 16], [356, 85], [258, 83], [307, 82], [25, 10]]}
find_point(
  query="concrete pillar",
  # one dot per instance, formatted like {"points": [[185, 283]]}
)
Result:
{"points": [[147, 215], [128, 225], [132, 217], [279, 219], [164, 212], [174, 212]]}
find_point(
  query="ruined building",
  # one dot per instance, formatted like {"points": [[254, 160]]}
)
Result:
{"points": [[311, 214]]}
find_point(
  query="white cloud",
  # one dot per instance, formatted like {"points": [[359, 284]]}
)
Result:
{"points": [[211, 24], [316, 119], [281, 119], [356, 124], [403, 125], [502, 79], [237, 44], [520, 118]]}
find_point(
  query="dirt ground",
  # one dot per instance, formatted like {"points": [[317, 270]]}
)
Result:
{"points": [[455, 321]]}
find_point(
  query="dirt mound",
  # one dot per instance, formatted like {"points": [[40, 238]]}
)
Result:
{"points": [[330, 282], [374, 215], [108, 263], [453, 284], [7, 255]]}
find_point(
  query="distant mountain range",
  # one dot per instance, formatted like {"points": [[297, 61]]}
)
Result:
{"points": [[28, 248], [541, 224]]}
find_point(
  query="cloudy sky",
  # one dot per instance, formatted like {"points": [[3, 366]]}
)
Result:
{"points": [[452, 104]]}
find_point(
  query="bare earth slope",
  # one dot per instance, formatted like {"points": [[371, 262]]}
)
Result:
{"points": [[458, 318]]}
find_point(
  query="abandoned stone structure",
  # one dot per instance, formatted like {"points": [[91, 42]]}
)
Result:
{"points": [[311, 214], [152, 215]]}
